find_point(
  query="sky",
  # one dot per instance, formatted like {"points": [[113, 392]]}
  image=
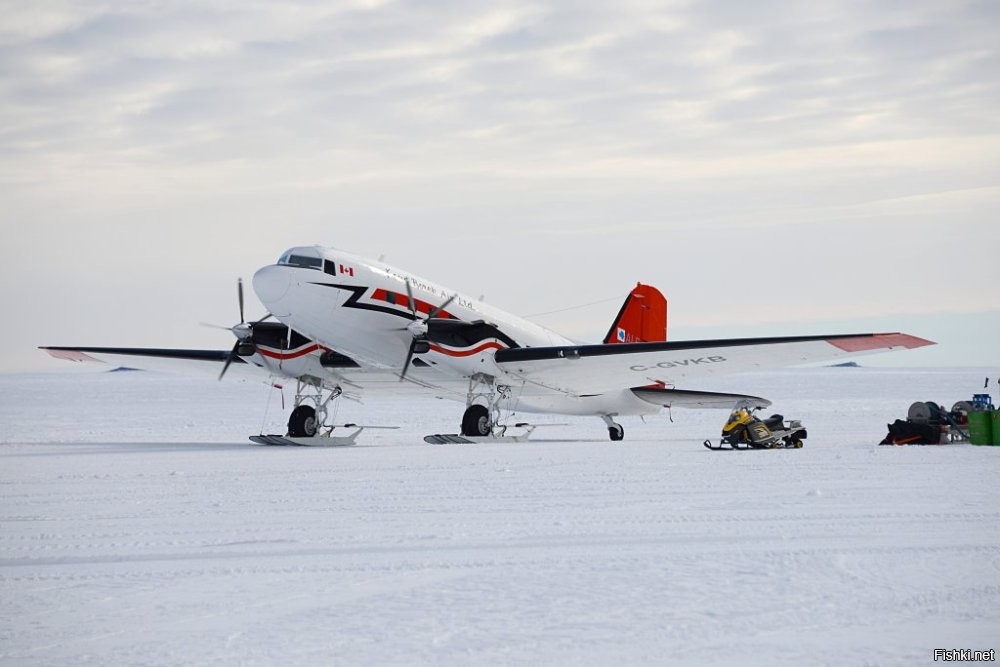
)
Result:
{"points": [[774, 167]]}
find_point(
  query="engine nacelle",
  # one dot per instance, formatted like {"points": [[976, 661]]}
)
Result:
{"points": [[464, 347]]}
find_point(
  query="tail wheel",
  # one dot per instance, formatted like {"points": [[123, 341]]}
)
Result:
{"points": [[616, 432], [302, 422], [476, 421]]}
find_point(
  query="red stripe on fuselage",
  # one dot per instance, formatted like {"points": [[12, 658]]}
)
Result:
{"points": [[403, 302], [309, 349], [491, 345]]}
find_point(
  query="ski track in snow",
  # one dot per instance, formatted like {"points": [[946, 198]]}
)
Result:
{"points": [[138, 526]]}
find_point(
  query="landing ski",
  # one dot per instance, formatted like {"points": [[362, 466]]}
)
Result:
{"points": [[321, 439], [726, 447], [499, 435], [455, 439], [446, 439]]}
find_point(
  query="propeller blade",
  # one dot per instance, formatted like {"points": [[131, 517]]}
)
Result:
{"points": [[229, 359], [410, 301], [263, 319], [409, 358], [418, 327], [440, 308], [239, 292], [214, 326]]}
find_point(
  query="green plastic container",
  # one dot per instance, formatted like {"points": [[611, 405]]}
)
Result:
{"points": [[981, 427], [996, 428]]}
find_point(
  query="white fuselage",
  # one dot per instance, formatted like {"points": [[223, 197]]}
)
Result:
{"points": [[372, 329], [359, 307]]}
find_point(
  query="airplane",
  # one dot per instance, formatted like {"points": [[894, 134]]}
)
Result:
{"points": [[351, 326]]}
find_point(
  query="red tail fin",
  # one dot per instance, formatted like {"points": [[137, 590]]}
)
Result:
{"points": [[642, 319]]}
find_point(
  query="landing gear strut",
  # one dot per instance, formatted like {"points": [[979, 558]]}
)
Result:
{"points": [[308, 425], [615, 430], [310, 412], [483, 405]]}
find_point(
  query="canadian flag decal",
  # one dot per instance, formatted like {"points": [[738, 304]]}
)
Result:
{"points": [[349, 270]]}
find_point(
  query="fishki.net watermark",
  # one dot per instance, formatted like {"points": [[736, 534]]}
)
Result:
{"points": [[964, 655]]}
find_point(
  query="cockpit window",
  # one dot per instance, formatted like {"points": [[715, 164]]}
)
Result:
{"points": [[302, 261]]}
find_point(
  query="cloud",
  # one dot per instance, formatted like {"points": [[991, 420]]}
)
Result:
{"points": [[571, 129], [188, 84]]}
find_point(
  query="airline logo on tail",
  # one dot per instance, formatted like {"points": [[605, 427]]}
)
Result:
{"points": [[642, 318]]}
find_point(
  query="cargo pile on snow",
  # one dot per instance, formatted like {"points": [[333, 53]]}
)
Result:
{"points": [[928, 423]]}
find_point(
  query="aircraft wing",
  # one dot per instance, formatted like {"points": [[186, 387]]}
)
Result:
{"points": [[355, 380], [593, 369], [189, 362]]}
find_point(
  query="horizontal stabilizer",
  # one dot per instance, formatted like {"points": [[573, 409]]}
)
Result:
{"points": [[681, 398]]}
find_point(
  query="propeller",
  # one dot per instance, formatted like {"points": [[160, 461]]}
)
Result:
{"points": [[232, 355], [243, 331], [418, 328]]}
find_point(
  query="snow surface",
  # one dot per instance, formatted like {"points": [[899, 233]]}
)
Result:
{"points": [[138, 526]]}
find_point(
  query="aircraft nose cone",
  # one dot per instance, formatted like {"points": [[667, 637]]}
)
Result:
{"points": [[271, 284]]}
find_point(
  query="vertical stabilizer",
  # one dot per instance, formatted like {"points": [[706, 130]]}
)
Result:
{"points": [[642, 319]]}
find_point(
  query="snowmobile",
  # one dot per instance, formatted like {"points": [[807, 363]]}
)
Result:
{"points": [[744, 430]]}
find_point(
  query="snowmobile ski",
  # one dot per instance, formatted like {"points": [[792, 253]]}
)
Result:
{"points": [[727, 447]]}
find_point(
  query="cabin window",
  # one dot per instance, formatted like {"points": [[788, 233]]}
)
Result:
{"points": [[330, 267]]}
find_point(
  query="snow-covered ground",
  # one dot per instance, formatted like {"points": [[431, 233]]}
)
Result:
{"points": [[138, 526]]}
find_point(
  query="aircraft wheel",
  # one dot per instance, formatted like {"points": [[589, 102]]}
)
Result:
{"points": [[616, 432], [476, 421], [798, 444], [302, 422]]}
